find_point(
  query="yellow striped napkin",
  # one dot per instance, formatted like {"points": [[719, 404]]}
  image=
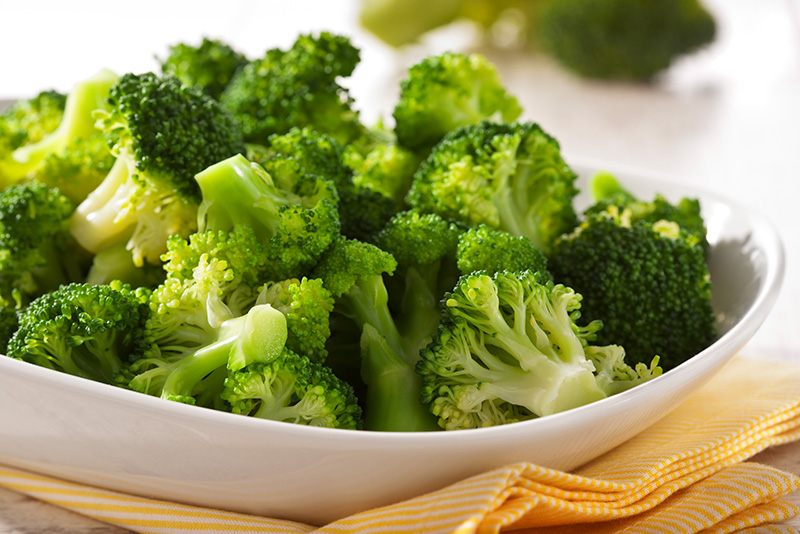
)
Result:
{"points": [[683, 475]]}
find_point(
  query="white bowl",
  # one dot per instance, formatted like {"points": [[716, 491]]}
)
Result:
{"points": [[97, 434]]}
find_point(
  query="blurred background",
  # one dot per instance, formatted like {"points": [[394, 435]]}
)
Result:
{"points": [[725, 117]]}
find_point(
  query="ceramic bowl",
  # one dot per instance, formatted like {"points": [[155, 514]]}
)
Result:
{"points": [[88, 432]]}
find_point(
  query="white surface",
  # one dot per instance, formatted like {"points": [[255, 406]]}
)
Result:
{"points": [[114, 438]]}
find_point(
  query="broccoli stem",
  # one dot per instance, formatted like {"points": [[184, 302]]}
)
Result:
{"points": [[393, 386], [103, 219], [369, 304]]}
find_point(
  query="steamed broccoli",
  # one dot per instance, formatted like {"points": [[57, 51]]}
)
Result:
{"points": [[444, 92], [210, 65], [510, 348], [621, 39], [307, 306], [293, 389], [82, 329], [297, 87], [29, 120], [297, 224], [648, 281], [37, 253], [400, 22], [507, 176], [353, 271], [77, 122], [162, 134], [481, 248]]}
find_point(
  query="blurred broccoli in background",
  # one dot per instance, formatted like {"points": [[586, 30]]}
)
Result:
{"points": [[627, 40]]}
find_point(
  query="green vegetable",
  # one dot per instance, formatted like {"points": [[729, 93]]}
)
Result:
{"points": [[209, 65]]}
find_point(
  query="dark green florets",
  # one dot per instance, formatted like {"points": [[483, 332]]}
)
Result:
{"points": [[482, 249], [82, 329], [648, 282]]}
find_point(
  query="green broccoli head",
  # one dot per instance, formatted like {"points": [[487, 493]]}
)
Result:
{"points": [[307, 306], [621, 39], [506, 176], [297, 225], [481, 248], [508, 349], [82, 329], [447, 91], [162, 134], [648, 282], [293, 389], [209, 65], [37, 252], [297, 87]]}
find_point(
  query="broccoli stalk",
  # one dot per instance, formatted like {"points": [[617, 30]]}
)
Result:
{"points": [[353, 272], [162, 134], [508, 349]]}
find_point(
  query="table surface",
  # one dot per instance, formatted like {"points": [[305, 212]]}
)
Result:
{"points": [[727, 119]]}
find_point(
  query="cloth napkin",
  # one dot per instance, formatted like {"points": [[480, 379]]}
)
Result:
{"points": [[685, 474]]}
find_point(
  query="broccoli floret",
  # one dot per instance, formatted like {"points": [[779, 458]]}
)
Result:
{"points": [[77, 122], [353, 271], [29, 120], [507, 176], [293, 389], [509, 349], [297, 87], [78, 169], [648, 282], [82, 329], [198, 377], [37, 253], [621, 39], [444, 92], [211, 277], [481, 248], [296, 225], [210, 65], [606, 190], [162, 133], [307, 306]]}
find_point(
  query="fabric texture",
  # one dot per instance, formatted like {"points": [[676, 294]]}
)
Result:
{"points": [[685, 474]]}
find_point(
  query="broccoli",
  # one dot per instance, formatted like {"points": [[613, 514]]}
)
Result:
{"points": [[297, 87], [481, 248], [621, 39], [509, 348], [293, 389], [507, 176], [198, 377], [29, 120], [400, 22], [116, 263], [353, 271], [162, 134], [307, 306], [444, 92], [82, 329], [76, 170], [297, 224], [648, 282], [302, 153], [77, 122], [606, 190], [37, 253], [210, 65]]}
